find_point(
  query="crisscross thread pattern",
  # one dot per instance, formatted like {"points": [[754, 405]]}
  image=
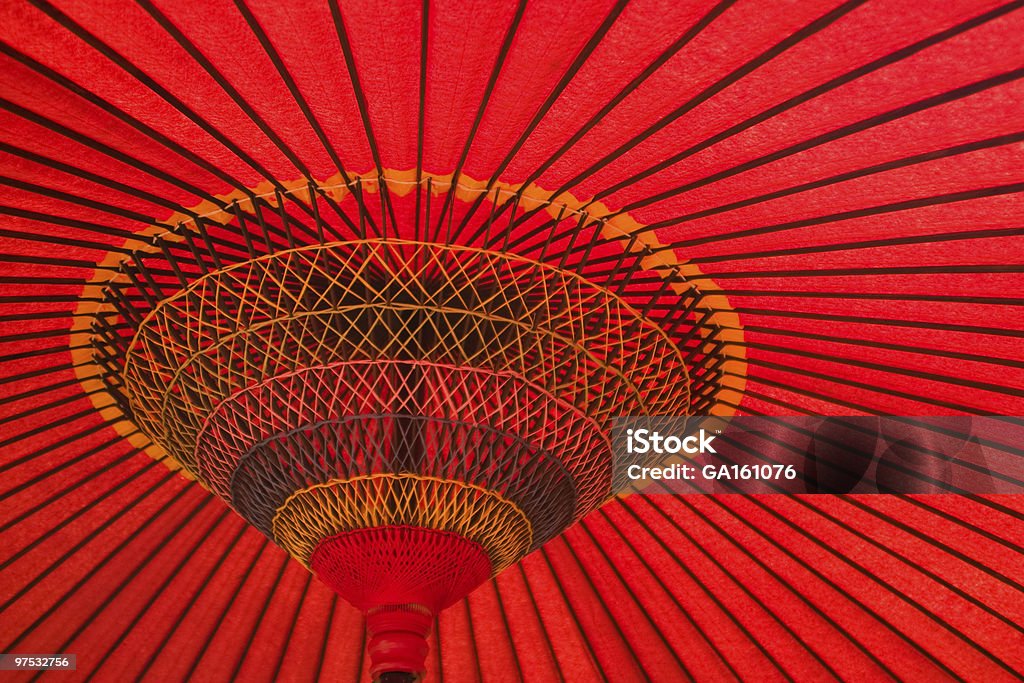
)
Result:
{"points": [[328, 509], [373, 300]]}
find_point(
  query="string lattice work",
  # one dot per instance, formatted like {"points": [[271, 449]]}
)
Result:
{"points": [[363, 396]]}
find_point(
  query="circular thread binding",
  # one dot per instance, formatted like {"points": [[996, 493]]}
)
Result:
{"points": [[325, 510]]}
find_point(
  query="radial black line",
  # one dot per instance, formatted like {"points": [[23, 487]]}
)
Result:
{"points": [[632, 596], [712, 595], [574, 620], [470, 631], [54, 495], [340, 212], [890, 369], [801, 476], [804, 392], [244, 652], [822, 577], [265, 228], [877, 296], [984, 502], [322, 655], [292, 86], [887, 322], [187, 605], [55, 426], [531, 596], [892, 207], [92, 143], [161, 593], [299, 605], [34, 315], [585, 526], [688, 36], [35, 580], [795, 591], [53, 261], [923, 424], [840, 466], [863, 571], [992, 502], [910, 396], [35, 335], [239, 584], [981, 440], [863, 172], [546, 232], [581, 57], [795, 38], [119, 114], [678, 604], [362, 650], [493, 585], [421, 114], [54, 280], [1010, 419], [935, 238], [966, 559], [774, 400], [866, 343], [556, 580], [828, 86], [42, 191], [76, 172], [901, 112], [137, 73], [44, 407], [77, 514], [200, 538], [364, 111], [492, 80], [746, 410], [61, 240], [31, 374], [245, 233]]}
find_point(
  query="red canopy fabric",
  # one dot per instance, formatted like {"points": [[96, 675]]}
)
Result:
{"points": [[849, 175]]}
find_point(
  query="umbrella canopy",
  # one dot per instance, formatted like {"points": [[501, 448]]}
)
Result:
{"points": [[820, 200]]}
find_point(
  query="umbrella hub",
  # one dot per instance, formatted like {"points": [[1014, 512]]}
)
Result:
{"points": [[400, 577], [406, 418]]}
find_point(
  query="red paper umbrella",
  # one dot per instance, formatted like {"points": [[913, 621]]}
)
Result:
{"points": [[320, 299]]}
